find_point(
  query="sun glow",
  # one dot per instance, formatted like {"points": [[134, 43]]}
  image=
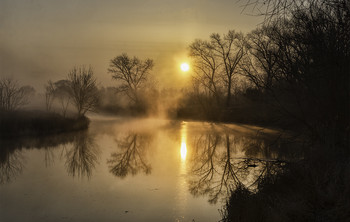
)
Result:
{"points": [[185, 67]]}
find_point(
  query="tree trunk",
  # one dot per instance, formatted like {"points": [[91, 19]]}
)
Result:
{"points": [[228, 98]]}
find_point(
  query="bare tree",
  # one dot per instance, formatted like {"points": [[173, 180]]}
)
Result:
{"points": [[217, 62], [230, 50], [260, 62], [12, 96], [206, 67], [83, 89], [131, 73], [302, 61], [271, 9]]}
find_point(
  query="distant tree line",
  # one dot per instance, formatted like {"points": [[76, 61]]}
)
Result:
{"points": [[12, 95]]}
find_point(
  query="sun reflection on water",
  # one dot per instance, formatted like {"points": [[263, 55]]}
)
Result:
{"points": [[182, 186], [183, 150]]}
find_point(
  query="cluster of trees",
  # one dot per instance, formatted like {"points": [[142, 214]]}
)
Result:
{"points": [[303, 63], [298, 63], [12, 95], [216, 78], [294, 66], [79, 89], [216, 64]]}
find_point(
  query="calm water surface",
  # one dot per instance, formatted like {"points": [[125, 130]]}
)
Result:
{"points": [[133, 170]]}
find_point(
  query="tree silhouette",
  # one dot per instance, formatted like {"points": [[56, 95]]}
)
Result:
{"points": [[216, 65], [131, 74], [12, 96], [83, 89], [206, 67], [302, 63], [230, 50]]}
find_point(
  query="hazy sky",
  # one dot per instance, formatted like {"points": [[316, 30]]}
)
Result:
{"points": [[42, 40]]}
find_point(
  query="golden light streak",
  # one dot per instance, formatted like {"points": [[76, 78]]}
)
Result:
{"points": [[183, 150]]}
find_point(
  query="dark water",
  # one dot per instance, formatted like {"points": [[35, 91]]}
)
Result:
{"points": [[135, 170]]}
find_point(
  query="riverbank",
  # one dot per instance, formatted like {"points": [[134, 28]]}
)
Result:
{"points": [[304, 191], [31, 123], [315, 188]]}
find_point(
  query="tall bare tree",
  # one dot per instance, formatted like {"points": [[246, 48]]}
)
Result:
{"points": [[131, 73], [216, 62], [260, 62], [229, 49], [83, 89], [206, 67]]}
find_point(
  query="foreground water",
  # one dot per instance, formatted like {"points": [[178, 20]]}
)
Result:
{"points": [[134, 170]]}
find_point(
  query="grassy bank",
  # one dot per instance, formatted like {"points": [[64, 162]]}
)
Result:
{"points": [[27, 123]]}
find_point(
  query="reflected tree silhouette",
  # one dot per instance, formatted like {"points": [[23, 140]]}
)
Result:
{"points": [[11, 163], [82, 158], [78, 149], [131, 156], [205, 167], [11, 157], [214, 170], [49, 156], [218, 168]]}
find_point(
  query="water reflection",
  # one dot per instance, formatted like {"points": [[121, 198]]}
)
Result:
{"points": [[11, 163], [11, 153], [222, 161], [212, 160], [78, 149], [183, 150], [131, 155], [181, 185], [82, 157]]}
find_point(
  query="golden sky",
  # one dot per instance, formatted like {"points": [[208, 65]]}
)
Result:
{"points": [[42, 40]]}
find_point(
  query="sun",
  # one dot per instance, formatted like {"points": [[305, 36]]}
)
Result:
{"points": [[185, 67]]}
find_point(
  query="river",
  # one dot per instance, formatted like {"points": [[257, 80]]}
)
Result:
{"points": [[135, 170]]}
